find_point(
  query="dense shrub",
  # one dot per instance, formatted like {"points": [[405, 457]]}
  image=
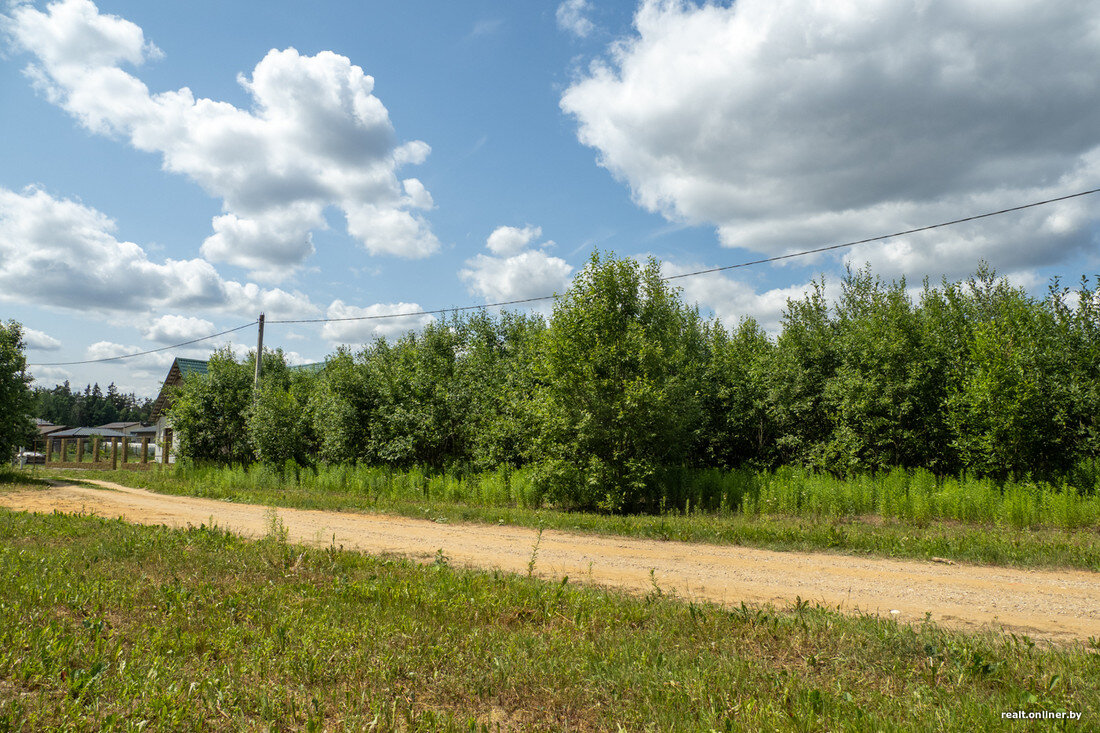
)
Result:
{"points": [[625, 391], [617, 392]]}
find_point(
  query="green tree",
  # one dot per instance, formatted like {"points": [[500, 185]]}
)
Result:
{"points": [[61, 406], [803, 361], [1013, 411], [210, 411], [16, 401], [417, 414], [495, 373], [342, 407], [736, 427], [279, 424], [616, 396], [884, 398], [1079, 334]]}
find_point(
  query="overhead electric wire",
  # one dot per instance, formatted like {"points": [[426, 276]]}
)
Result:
{"points": [[886, 236], [455, 309], [416, 313], [143, 353], [750, 263]]}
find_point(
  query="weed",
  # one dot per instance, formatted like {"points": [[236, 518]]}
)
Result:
{"points": [[534, 554]]}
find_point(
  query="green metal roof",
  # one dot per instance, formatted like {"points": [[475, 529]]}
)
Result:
{"points": [[180, 369], [197, 366], [191, 366], [311, 368], [185, 367]]}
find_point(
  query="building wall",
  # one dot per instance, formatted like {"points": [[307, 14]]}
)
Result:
{"points": [[162, 425]]}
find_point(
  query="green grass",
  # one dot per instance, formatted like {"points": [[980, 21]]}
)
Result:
{"points": [[417, 495], [914, 496], [11, 478], [110, 626]]}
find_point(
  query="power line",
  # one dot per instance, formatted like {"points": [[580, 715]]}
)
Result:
{"points": [[750, 263], [143, 353], [886, 236], [416, 313], [520, 301]]}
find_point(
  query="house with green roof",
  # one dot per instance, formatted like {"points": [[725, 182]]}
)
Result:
{"points": [[181, 369]]}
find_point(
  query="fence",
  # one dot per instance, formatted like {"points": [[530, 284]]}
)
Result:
{"points": [[98, 453]]}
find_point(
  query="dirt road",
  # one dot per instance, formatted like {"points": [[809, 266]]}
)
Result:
{"points": [[1055, 605]]}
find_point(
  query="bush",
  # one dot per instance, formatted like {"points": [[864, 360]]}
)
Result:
{"points": [[617, 387]]}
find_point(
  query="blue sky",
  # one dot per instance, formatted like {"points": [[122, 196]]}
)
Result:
{"points": [[168, 170]]}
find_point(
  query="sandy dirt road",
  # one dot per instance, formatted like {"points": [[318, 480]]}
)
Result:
{"points": [[1055, 605]]}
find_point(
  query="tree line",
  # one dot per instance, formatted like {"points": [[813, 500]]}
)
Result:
{"points": [[20, 403], [89, 407], [624, 381], [16, 426]]}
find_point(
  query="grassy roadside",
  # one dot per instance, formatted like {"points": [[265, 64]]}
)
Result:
{"points": [[989, 544], [106, 625], [12, 478]]}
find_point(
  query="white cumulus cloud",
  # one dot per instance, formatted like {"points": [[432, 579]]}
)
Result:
{"points": [[514, 272], [39, 340], [572, 16], [60, 253], [373, 323], [316, 136], [156, 362], [171, 329], [733, 300], [506, 241], [788, 124]]}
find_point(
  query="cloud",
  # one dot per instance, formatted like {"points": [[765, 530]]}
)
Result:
{"points": [[507, 241], [485, 27], [514, 272], [143, 374], [315, 136], [293, 358], [789, 124], [48, 375], [60, 253], [733, 300], [365, 331], [526, 275], [160, 361], [171, 329], [572, 17], [40, 341]]}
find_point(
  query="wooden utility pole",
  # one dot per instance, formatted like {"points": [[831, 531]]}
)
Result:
{"points": [[259, 357]]}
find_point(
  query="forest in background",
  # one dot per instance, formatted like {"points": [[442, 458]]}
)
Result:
{"points": [[625, 381], [90, 407]]}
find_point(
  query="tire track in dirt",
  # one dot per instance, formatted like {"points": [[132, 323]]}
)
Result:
{"points": [[1058, 605]]}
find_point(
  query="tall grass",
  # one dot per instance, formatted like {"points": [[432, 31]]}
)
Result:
{"points": [[501, 487], [913, 496]]}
